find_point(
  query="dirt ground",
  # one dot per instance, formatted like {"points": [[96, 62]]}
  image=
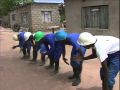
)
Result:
{"points": [[17, 74]]}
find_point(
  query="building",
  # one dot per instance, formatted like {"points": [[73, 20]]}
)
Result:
{"points": [[35, 16], [95, 16], [4, 21]]}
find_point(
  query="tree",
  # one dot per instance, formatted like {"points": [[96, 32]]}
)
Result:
{"points": [[62, 12], [7, 5]]}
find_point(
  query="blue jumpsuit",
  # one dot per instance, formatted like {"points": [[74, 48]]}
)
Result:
{"points": [[50, 42], [21, 39], [71, 40], [25, 45], [48, 46], [76, 64]]}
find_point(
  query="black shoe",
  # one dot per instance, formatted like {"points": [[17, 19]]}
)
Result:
{"points": [[71, 77], [50, 67], [76, 82]]}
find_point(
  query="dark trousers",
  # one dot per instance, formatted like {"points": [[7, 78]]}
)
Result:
{"points": [[113, 63], [51, 60], [77, 68], [26, 48]]}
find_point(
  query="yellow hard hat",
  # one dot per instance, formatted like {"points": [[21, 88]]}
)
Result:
{"points": [[15, 37]]}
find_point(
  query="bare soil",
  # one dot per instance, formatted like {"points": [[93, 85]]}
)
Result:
{"points": [[17, 74]]}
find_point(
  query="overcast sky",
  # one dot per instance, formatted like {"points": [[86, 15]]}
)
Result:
{"points": [[50, 1]]}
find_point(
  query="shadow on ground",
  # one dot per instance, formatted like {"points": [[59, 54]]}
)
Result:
{"points": [[63, 76], [92, 88]]}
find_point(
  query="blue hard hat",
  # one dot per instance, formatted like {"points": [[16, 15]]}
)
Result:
{"points": [[60, 35]]}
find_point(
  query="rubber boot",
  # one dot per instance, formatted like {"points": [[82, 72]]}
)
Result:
{"points": [[77, 78], [73, 76], [24, 53], [110, 88], [51, 66], [76, 81], [28, 54], [34, 60], [42, 60], [56, 68]]}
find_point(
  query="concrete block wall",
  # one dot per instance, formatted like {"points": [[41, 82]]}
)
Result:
{"points": [[73, 16], [34, 22], [37, 23]]}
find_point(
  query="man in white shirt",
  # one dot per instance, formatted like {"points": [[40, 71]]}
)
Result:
{"points": [[106, 48]]}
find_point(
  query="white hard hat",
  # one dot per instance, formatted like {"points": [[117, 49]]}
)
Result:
{"points": [[27, 35], [15, 37], [86, 38]]}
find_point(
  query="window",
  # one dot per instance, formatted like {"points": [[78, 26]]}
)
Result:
{"points": [[24, 18], [13, 17], [95, 17], [46, 16]]}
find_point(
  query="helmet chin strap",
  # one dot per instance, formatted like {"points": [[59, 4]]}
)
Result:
{"points": [[95, 41]]}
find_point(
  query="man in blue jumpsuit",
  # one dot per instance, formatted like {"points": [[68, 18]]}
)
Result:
{"points": [[62, 39], [48, 41], [24, 44], [41, 47]]}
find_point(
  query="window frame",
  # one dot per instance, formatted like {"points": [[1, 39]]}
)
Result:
{"points": [[46, 18], [13, 16], [25, 14], [84, 20]]}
